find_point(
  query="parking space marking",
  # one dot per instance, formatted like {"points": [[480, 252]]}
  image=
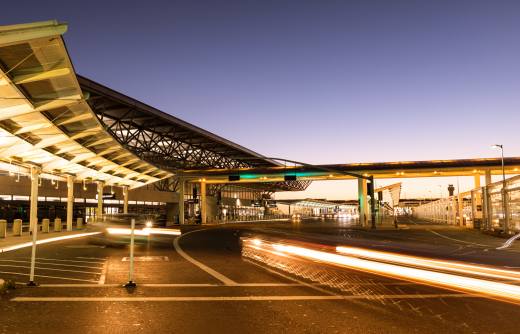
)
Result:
{"points": [[52, 269], [236, 298], [74, 261], [92, 258], [45, 276], [53, 264], [103, 275]]}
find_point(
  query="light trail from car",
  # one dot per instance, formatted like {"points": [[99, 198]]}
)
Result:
{"points": [[416, 269]]}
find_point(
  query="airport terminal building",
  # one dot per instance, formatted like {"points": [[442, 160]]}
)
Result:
{"points": [[73, 148]]}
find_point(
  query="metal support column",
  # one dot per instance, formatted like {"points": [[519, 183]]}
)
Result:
{"points": [[182, 184], [363, 204], [461, 208], [99, 212], [486, 212], [70, 201], [33, 220], [125, 199], [203, 204], [487, 177], [372, 203]]}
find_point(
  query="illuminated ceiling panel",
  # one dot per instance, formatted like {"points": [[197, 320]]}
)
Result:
{"points": [[45, 119]]}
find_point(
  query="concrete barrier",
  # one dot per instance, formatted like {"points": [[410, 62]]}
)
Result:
{"points": [[17, 227], [46, 225], [3, 228], [57, 225], [79, 223]]}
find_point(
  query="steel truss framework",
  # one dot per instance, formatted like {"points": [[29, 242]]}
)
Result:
{"points": [[171, 143]]}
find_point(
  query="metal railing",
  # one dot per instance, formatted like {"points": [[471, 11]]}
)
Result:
{"points": [[492, 207]]}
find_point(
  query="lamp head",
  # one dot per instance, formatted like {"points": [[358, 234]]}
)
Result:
{"points": [[497, 146]]}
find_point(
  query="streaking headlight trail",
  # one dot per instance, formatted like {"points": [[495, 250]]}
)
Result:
{"points": [[456, 275]]}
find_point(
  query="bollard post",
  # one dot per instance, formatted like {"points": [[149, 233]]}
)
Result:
{"points": [[46, 225], [131, 283], [17, 227], [57, 225], [33, 221], [79, 223], [3, 228]]}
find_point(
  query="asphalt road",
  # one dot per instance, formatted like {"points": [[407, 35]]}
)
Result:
{"points": [[205, 283]]}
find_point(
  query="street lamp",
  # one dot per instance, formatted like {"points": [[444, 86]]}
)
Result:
{"points": [[504, 202]]}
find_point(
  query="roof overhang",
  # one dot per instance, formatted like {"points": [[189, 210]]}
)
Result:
{"points": [[45, 119], [380, 170]]}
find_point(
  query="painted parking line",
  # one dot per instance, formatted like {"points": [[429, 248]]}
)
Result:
{"points": [[210, 271], [52, 264], [103, 276], [236, 298], [65, 260], [52, 269], [46, 276]]}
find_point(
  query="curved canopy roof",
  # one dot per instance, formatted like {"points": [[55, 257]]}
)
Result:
{"points": [[67, 124]]}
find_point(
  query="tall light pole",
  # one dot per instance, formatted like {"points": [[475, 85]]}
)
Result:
{"points": [[504, 201]]}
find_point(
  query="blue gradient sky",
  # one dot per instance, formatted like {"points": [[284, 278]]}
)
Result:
{"points": [[315, 81]]}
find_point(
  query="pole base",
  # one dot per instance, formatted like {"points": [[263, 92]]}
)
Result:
{"points": [[130, 284], [32, 283]]}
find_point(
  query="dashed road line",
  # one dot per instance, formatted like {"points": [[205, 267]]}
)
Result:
{"points": [[212, 272]]}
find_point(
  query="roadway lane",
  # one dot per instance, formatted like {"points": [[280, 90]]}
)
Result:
{"points": [[177, 292]]}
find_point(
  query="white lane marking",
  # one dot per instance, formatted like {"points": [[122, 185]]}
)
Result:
{"points": [[73, 261], [509, 242], [458, 240], [92, 258], [52, 269], [202, 266], [53, 264], [449, 238], [103, 276], [45, 276], [172, 285], [46, 241], [235, 298]]}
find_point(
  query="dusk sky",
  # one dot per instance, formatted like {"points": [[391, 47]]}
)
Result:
{"points": [[314, 81]]}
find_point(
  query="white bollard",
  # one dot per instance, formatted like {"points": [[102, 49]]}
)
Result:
{"points": [[3, 228], [79, 223], [17, 227], [131, 283], [46, 225], [57, 225]]}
